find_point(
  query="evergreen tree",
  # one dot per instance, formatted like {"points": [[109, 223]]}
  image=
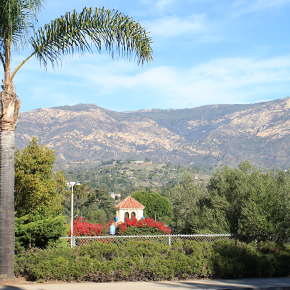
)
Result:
{"points": [[256, 204], [155, 204], [98, 206], [193, 211], [38, 192]]}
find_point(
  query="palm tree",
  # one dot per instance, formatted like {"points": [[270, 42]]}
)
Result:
{"points": [[72, 33]]}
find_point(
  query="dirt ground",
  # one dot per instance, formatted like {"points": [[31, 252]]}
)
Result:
{"points": [[15, 281], [23, 281]]}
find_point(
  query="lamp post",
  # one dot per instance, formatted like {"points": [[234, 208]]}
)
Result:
{"points": [[71, 184]]}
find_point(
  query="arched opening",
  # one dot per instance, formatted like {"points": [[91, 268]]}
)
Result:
{"points": [[133, 215], [127, 215]]}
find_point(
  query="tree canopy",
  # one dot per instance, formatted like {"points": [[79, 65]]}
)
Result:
{"points": [[95, 205], [154, 204], [71, 33], [192, 209], [255, 203], [38, 191]]}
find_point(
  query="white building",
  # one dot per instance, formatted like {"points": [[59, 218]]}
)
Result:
{"points": [[113, 195], [129, 208]]}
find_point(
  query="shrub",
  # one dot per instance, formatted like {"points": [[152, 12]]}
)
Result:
{"points": [[83, 228], [132, 226], [234, 259], [39, 233], [145, 226], [150, 261]]}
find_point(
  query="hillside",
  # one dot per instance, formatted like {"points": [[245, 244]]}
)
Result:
{"points": [[215, 134], [128, 176]]}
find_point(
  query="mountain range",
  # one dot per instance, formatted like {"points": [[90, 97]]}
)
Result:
{"points": [[213, 134]]}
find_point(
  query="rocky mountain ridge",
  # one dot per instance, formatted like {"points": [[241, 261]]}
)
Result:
{"points": [[214, 134]]}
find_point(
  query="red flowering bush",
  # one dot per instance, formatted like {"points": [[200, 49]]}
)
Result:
{"points": [[145, 226], [83, 228], [132, 226]]}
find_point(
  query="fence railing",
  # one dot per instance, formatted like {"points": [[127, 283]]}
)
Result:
{"points": [[165, 239]]}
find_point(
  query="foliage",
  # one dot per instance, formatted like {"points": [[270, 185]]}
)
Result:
{"points": [[17, 17], [38, 233], [192, 213], [38, 192], [116, 176], [256, 204], [70, 33], [95, 216], [83, 228], [154, 204], [118, 32], [246, 201], [145, 226], [95, 205], [150, 261], [128, 227], [106, 203], [81, 194]]}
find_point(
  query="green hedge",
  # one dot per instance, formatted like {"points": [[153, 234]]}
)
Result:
{"points": [[149, 261], [39, 233]]}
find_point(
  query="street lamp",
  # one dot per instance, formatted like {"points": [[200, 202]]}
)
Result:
{"points": [[72, 184]]}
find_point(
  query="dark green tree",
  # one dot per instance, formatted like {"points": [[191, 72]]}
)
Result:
{"points": [[256, 204], [81, 194], [38, 233], [192, 209], [98, 206], [154, 204], [38, 191], [98, 216], [106, 203]]}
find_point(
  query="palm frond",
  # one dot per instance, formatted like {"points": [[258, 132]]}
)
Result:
{"points": [[2, 59], [17, 17], [80, 32]]}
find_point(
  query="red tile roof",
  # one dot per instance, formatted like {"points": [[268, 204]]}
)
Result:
{"points": [[129, 202]]}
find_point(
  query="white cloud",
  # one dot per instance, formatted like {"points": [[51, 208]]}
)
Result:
{"points": [[224, 80], [232, 80], [159, 5], [249, 6], [176, 26], [115, 85], [162, 4]]}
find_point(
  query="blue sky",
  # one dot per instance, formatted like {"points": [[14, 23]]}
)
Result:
{"points": [[205, 52]]}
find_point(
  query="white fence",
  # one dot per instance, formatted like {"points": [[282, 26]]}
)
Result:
{"points": [[166, 239]]}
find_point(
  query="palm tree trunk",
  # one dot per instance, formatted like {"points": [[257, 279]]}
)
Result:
{"points": [[10, 106], [7, 140]]}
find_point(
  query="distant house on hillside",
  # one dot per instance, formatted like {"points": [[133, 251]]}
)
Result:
{"points": [[113, 195], [129, 208]]}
